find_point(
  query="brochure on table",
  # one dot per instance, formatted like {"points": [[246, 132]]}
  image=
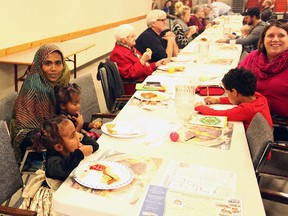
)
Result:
{"points": [[160, 201]]}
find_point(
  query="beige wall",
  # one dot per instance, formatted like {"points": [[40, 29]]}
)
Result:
{"points": [[31, 20]]}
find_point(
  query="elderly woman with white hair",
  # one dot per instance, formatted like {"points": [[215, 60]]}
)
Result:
{"points": [[198, 18], [132, 65], [157, 38]]}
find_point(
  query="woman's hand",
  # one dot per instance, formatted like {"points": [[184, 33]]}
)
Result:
{"points": [[146, 56], [212, 100], [192, 30], [161, 62]]}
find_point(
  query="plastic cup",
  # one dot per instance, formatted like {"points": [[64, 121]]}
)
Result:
{"points": [[171, 68]]}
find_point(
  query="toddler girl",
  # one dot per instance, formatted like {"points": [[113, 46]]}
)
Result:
{"points": [[64, 147], [68, 103]]}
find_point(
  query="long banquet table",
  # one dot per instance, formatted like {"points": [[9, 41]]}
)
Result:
{"points": [[156, 148]]}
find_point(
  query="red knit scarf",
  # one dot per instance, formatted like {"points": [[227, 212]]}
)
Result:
{"points": [[264, 69]]}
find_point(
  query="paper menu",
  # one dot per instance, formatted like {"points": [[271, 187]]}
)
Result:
{"points": [[214, 121], [199, 179], [161, 201]]}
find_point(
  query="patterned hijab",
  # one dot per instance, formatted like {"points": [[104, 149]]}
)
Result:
{"points": [[36, 101]]}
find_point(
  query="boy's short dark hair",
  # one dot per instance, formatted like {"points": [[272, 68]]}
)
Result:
{"points": [[244, 81]]}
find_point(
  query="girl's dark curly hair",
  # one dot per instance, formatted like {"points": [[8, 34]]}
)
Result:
{"points": [[64, 95], [49, 134]]}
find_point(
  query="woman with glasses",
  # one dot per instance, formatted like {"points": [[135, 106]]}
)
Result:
{"points": [[132, 65], [270, 65], [36, 100], [157, 38], [184, 34]]}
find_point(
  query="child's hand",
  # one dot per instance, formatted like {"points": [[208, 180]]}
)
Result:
{"points": [[80, 121], [212, 100], [86, 150], [95, 124], [198, 104]]}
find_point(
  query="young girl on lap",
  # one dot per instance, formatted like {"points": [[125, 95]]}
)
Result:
{"points": [[68, 103]]}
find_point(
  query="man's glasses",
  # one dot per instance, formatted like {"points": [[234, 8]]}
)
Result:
{"points": [[162, 20]]}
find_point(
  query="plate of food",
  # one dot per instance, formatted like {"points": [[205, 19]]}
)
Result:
{"points": [[177, 68], [103, 175], [123, 129], [151, 96], [220, 61]]}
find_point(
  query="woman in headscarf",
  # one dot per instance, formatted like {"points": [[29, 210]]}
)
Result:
{"points": [[36, 100]]}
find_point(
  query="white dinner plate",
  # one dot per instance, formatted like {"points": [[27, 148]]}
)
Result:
{"points": [[123, 129], [184, 58], [92, 178], [177, 68], [160, 96]]}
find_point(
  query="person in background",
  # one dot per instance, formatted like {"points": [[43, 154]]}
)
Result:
{"points": [[68, 104], [187, 3], [64, 147], [270, 65], [157, 38], [36, 100], [154, 5], [220, 8], [184, 34], [166, 8], [252, 16], [245, 31], [266, 11], [198, 19], [209, 15], [240, 86], [201, 2], [132, 65]]}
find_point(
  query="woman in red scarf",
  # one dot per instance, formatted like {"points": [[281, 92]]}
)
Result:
{"points": [[270, 65]]}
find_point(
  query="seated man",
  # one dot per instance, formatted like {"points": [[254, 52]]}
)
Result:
{"points": [[267, 11], [132, 65], [161, 42], [252, 16]]}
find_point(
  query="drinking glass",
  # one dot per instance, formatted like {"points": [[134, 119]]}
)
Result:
{"points": [[184, 100]]}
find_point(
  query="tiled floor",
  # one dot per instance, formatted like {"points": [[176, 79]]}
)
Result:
{"points": [[271, 208]]}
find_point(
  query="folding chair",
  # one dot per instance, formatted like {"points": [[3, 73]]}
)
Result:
{"points": [[260, 140], [10, 178]]}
